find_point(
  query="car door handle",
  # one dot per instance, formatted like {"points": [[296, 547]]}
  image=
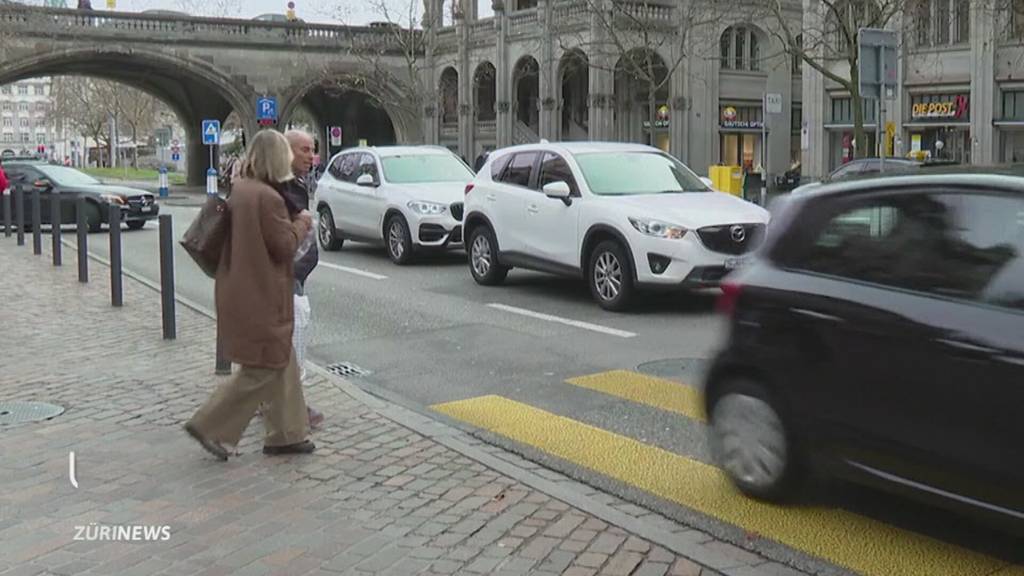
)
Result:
{"points": [[817, 315], [492, 197], [532, 209], [966, 346]]}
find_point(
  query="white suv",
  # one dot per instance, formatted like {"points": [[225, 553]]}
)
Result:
{"points": [[407, 197], [622, 216]]}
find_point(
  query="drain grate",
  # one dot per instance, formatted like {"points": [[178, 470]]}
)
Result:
{"points": [[346, 369], [17, 412]]}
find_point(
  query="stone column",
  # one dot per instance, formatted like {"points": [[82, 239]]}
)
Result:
{"points": [[601, 116], [983, 104], [702, 136], [815, 160], [546, 97], [780, 81], [430, 116], [467, 93], [677, 96], [503, 81]]}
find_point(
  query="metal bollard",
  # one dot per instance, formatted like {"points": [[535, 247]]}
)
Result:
{"points": [[114, 221], [83, 236], [19, 208], [223, 366], [7, 213], [167, 276], [56, 219], [37, 223]]}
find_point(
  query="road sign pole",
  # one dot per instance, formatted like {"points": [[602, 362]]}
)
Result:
{"points": [[163, 182], [881, 109]]}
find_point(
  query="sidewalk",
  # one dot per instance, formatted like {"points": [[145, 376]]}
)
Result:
{"points": [[388, 490]]}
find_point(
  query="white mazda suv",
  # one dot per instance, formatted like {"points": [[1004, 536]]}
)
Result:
{"points": [[622, 216], [408, 198]]}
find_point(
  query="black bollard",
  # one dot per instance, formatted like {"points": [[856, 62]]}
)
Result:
{"points": [[167, 276], [56, 219], [7, 213], [83, 235], [114, 221], [19, 209], [37, 222]]}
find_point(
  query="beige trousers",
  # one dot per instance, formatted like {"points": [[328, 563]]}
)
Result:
{"points": [[226, 415]]}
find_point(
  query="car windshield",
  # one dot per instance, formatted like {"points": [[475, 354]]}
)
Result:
{"points": [[67, 176], [630, 173], [423, 168]]}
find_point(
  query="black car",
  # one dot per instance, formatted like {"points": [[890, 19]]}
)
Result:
{"points": [[879, 336], [137, 206], [868, 167]]}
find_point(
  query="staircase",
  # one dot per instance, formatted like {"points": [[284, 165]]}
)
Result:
{"points": [[523, 134]]}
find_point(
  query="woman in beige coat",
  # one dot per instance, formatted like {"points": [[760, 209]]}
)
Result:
{"points": [[255, 311]]}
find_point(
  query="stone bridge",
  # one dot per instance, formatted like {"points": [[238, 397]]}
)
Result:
{"points": [[207, 68]]}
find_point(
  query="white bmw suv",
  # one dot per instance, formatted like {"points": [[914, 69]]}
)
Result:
{"points": [[407, 197], [622, 216]]}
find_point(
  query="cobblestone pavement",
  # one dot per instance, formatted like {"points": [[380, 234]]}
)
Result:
{"points": [[388, 491]]}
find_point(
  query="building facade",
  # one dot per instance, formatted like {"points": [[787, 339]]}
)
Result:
{"points": [[25, 119], [729, 91]]}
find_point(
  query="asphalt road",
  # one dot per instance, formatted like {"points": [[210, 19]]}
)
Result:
{"points": [[426, 334]]}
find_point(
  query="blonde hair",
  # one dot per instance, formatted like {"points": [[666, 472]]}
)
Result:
{"points": [[269, 158]]}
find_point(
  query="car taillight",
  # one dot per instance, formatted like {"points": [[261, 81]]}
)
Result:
{"points": [[469, 187], [730, 296]]}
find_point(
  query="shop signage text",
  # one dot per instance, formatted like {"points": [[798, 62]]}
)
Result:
{"points": [[954, 108]]}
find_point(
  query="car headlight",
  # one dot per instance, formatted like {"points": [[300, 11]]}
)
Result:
{"points": [[427, 208], [657, 228], [113, 198]]}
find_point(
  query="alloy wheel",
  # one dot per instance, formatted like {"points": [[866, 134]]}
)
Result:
{"points": [[608, 276], [480, 254], [396, 239], [749, 441]]}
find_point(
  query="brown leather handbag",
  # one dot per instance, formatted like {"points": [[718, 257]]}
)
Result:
{"points": [[205, 238]]}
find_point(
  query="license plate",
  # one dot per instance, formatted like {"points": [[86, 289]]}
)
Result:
{"points": [[734, 263], [147, 208]]}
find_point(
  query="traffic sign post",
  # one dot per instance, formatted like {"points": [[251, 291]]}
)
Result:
{"points": [[876, 54], [211, 138]]}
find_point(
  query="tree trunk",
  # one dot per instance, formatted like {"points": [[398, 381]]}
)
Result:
{"points": [[135, 147], [857, 109]]}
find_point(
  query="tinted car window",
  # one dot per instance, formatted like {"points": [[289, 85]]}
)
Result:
{"points": [[349, 163], [498, 165], [555, 169], [518, 172], [335, 168], [955, 245], [367, 165], [846, 171]]}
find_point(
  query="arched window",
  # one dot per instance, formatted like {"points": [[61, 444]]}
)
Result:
{"points": [[740, 49]]}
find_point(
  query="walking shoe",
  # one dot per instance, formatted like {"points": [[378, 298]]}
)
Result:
{"points": [[209, 445], [315, 418], [305, 447]]}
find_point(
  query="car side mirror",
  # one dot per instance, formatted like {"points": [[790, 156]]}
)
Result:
{"points": [[559, 190], [42, 184], [707, 182], [366, 180]]}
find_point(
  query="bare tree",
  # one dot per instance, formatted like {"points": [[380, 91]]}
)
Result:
{"points": [[830, 47], [392, 58], [632, 37], [139, 110]]}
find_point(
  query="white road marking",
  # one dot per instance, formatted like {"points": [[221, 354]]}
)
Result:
{"points": [[355, 271], [566, 321]]}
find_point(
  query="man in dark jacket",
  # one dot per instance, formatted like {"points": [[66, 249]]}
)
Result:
{"points": [[298, 191]]}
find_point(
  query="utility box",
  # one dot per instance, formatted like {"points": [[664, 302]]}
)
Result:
{"points": [[728, 179]]}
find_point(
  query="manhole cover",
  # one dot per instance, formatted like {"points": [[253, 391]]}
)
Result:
{"points": [[687, 370], [346, 369], [18, 412]]}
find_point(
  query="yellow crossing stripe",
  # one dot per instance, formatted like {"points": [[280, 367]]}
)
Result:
{"points": [[858, 543], [649, 390]]}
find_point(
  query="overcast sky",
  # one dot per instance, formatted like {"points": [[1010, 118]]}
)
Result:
{"points": [[329, 11]]}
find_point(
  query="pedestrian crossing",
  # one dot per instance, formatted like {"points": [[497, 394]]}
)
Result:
{"points": [[861, 544]]}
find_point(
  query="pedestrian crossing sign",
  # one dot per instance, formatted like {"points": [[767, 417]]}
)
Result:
{"points": [[211, 132]]}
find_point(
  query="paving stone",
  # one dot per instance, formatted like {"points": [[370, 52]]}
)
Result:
{"points": [[622, 564], [652, 569], [591, 559]]}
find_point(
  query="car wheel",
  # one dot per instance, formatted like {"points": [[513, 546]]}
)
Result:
{"points": [[136, 224], [750, 441], [611, 276], [326, 232], [483, 264], [399, 240]]}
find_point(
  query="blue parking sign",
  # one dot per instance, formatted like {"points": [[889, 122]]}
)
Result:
{"points": [[211, 132], [266, 109]]}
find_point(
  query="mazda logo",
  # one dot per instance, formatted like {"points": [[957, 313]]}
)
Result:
{"points": [[738, 233]]}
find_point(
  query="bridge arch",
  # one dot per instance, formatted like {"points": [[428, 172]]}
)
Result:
{"points": [[194, 89]]}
